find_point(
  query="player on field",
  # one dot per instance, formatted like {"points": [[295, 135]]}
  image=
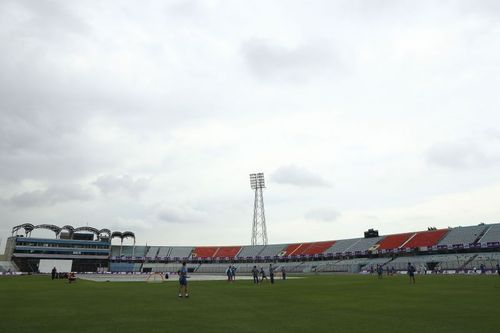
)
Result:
{"points": [[498, 269], [183, 288], [283, 273], [263, 274], [271, 273], [411, 272], [380, 271], [255, 274]]}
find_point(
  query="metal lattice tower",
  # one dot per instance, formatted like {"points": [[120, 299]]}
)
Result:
{"points": [[259, 231]]}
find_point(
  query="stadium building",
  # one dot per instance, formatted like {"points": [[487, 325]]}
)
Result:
{"points": [[88, 249]]}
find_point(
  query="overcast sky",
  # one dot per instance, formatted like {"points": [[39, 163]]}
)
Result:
{"points": [[149, 115]]}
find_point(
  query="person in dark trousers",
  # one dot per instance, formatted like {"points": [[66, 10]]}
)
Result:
{"points": [[271, 273], [183, 288], [380, 271], [255, 274], [229, 273], [54, 273], [411, 272], [263, 274], [233, 272], [283, 273], [498, 269]]}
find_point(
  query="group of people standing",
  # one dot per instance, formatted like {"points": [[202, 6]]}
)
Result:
{"points": [[71, 276], [231, 273], [256, 272]]}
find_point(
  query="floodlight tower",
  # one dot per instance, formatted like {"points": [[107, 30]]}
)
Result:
{"points": [[259, 232]]}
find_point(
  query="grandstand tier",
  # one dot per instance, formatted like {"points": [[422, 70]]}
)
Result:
{"points": [[394, 241], [452, 248], [425, 238]]}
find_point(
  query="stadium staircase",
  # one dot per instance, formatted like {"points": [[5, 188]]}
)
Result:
{"points": [[478, 238], [467, 262]]}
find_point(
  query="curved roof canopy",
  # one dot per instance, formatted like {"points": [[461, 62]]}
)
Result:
{"points": [[50, 227], [70, 229], [28, 227], [88, 229], [102, 233]]}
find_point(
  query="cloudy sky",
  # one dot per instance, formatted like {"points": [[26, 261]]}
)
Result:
{"points": [[149, 115]]}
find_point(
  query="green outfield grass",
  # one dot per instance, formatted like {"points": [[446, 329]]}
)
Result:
{"points": [[339, 303]]}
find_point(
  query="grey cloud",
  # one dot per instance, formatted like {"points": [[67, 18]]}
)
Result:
{"points": [[267, 59], [460, 155], [133, 186], [323, 214], [298, 176], [51, 196], [181, 214]]}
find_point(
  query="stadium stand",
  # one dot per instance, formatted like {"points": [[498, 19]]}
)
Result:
{"points": [[164, 251], [492, 234], [394, 241], [127, 251], [292, 249], [250, 251], [139, 251], [227, 251], [443, 261], [463, 235], [341, 245], [425, 238], [115, 251], [313, 248], [121, 267], [454, 249], [180, 252], [489, 259], [363, 245], [152, 252], [204, 251], [270, 251]]}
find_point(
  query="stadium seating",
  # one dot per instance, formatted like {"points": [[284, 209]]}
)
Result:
{"points": [[227, 251], [364, 244], [115, 251], [463, 235], [250, 251], [394, 241], [127, 250], [425, 238], [489, 259], [341, 245], [152, 252], [291, 249], [204, 251], [139, 251], [492, 234], [314, 248], [180, 252], [272, 250], [164, 251], [121, 267]]}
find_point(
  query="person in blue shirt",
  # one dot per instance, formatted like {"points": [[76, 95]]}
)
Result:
{"points": [[183, 288], [263, 274], [411, 272], [271, 273], [229, 273], [255, 274], [283, 273], [233, 272]]}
